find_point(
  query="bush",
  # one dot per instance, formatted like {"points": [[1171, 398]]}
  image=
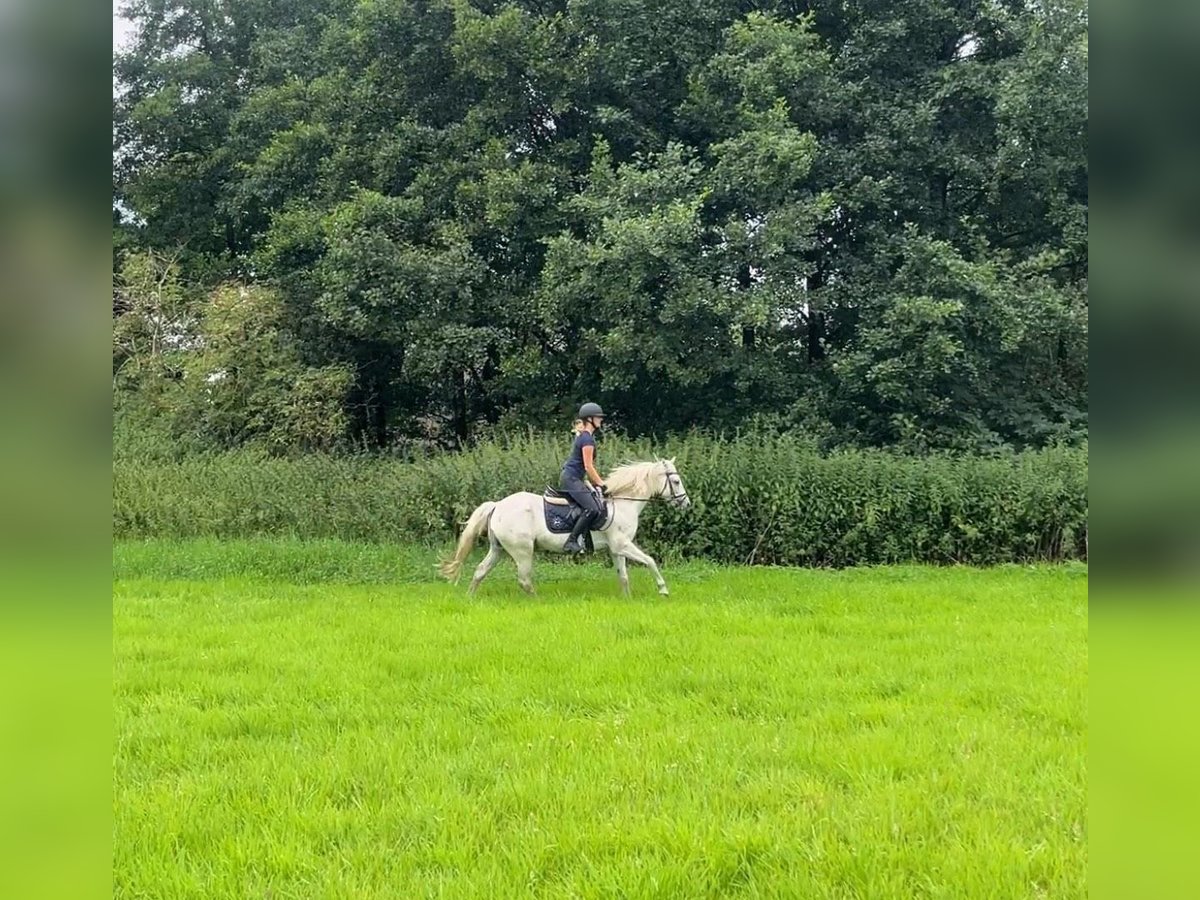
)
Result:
{"points": [[764, 500]]}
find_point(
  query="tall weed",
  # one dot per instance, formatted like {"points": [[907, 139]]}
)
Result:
{"points": [[757, 499]]}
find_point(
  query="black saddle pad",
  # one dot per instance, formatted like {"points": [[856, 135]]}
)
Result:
{"points": [[561, 519]]}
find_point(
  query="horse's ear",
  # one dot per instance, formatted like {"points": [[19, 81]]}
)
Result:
{"points": [[671, 460]]}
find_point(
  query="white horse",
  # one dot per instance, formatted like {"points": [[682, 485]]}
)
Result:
{"points": [[517, 524]]}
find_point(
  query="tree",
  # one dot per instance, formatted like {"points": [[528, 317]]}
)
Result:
{"points": [[154, 320], [245, 382], [697, 214]]}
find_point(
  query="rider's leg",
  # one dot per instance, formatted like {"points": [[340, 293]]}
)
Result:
{"points": [[582, 524], [589, 510]]}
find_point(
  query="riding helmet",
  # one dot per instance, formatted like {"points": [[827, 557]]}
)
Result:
{"points": [[588, 410]]}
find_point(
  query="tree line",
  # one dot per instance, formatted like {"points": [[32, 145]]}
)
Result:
{"points": [[374, 221]]}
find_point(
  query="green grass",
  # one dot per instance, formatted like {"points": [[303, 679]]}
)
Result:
{"points": [[325, 720]]}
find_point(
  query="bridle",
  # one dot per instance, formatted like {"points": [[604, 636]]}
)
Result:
{"points": [[674, 498]]}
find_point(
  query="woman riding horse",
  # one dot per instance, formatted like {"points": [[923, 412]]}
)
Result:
{"points": [[581, 462], [516, 524]]}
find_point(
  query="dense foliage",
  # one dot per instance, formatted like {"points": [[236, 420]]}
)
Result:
{"points": [[757, 499], [867, 220]]}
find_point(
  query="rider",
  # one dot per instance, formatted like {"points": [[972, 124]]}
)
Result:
{"points": [[582, 461]]}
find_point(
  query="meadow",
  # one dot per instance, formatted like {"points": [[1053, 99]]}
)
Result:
{"points": [[323, 719]]}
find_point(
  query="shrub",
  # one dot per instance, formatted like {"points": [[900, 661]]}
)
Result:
{"points": [[764, 500]]}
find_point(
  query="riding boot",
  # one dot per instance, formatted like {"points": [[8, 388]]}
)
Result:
{"points": [[582, 524]]}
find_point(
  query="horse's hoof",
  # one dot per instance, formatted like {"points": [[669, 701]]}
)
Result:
{"points": [[664, 592]]}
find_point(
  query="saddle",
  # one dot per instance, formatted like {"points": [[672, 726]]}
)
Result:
{"points": [[561, 512], [555, 496]]}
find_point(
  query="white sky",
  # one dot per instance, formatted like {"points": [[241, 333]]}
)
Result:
{"points": [[122, 28]]}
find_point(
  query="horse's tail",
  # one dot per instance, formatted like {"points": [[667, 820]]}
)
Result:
{"points": [[476, 525]]}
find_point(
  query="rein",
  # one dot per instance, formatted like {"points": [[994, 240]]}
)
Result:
{"points": [[652, 497]]}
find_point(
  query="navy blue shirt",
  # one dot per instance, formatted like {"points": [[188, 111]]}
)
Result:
{"points": [[574, 464]]}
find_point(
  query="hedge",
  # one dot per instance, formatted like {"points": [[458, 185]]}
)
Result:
{"points": [[763, 500]]}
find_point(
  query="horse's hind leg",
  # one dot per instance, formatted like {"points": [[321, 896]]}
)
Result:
{"points": [[524, 559], [520, 549], [493, 556]]}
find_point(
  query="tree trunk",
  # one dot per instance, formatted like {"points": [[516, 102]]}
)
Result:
{"points": [[745, 282], [379, 415], [815, 320], [460, 408]]}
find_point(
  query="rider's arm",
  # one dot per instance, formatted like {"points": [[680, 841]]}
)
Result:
{"points": [[589, 453]]}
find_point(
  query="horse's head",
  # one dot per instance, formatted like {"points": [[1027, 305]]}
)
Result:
{"points": [[672, 487]]}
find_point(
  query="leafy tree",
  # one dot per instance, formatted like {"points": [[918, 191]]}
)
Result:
{"points": [[245, 382], [154, 322], [867, 221]]}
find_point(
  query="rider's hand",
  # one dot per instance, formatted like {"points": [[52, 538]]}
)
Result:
{"points": [[603, 488]]}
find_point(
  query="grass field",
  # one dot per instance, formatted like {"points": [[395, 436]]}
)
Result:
{"points": [[324, 720]]}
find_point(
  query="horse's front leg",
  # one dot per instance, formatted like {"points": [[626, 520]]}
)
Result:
{"points": [[638, 555], [622, 572]]}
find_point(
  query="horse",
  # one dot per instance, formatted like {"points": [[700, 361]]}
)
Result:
{"points": [[517, 525]]}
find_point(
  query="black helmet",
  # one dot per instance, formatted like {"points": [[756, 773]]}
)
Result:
{"points": [[588, 410]]}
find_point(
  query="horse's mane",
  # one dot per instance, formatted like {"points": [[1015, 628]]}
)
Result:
{"points": [[636, 478]]}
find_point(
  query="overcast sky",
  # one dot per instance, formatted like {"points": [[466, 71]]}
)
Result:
{"points": [[122, 29]]}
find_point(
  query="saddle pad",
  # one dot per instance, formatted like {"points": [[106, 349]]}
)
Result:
{"points": [[561, 518]]}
